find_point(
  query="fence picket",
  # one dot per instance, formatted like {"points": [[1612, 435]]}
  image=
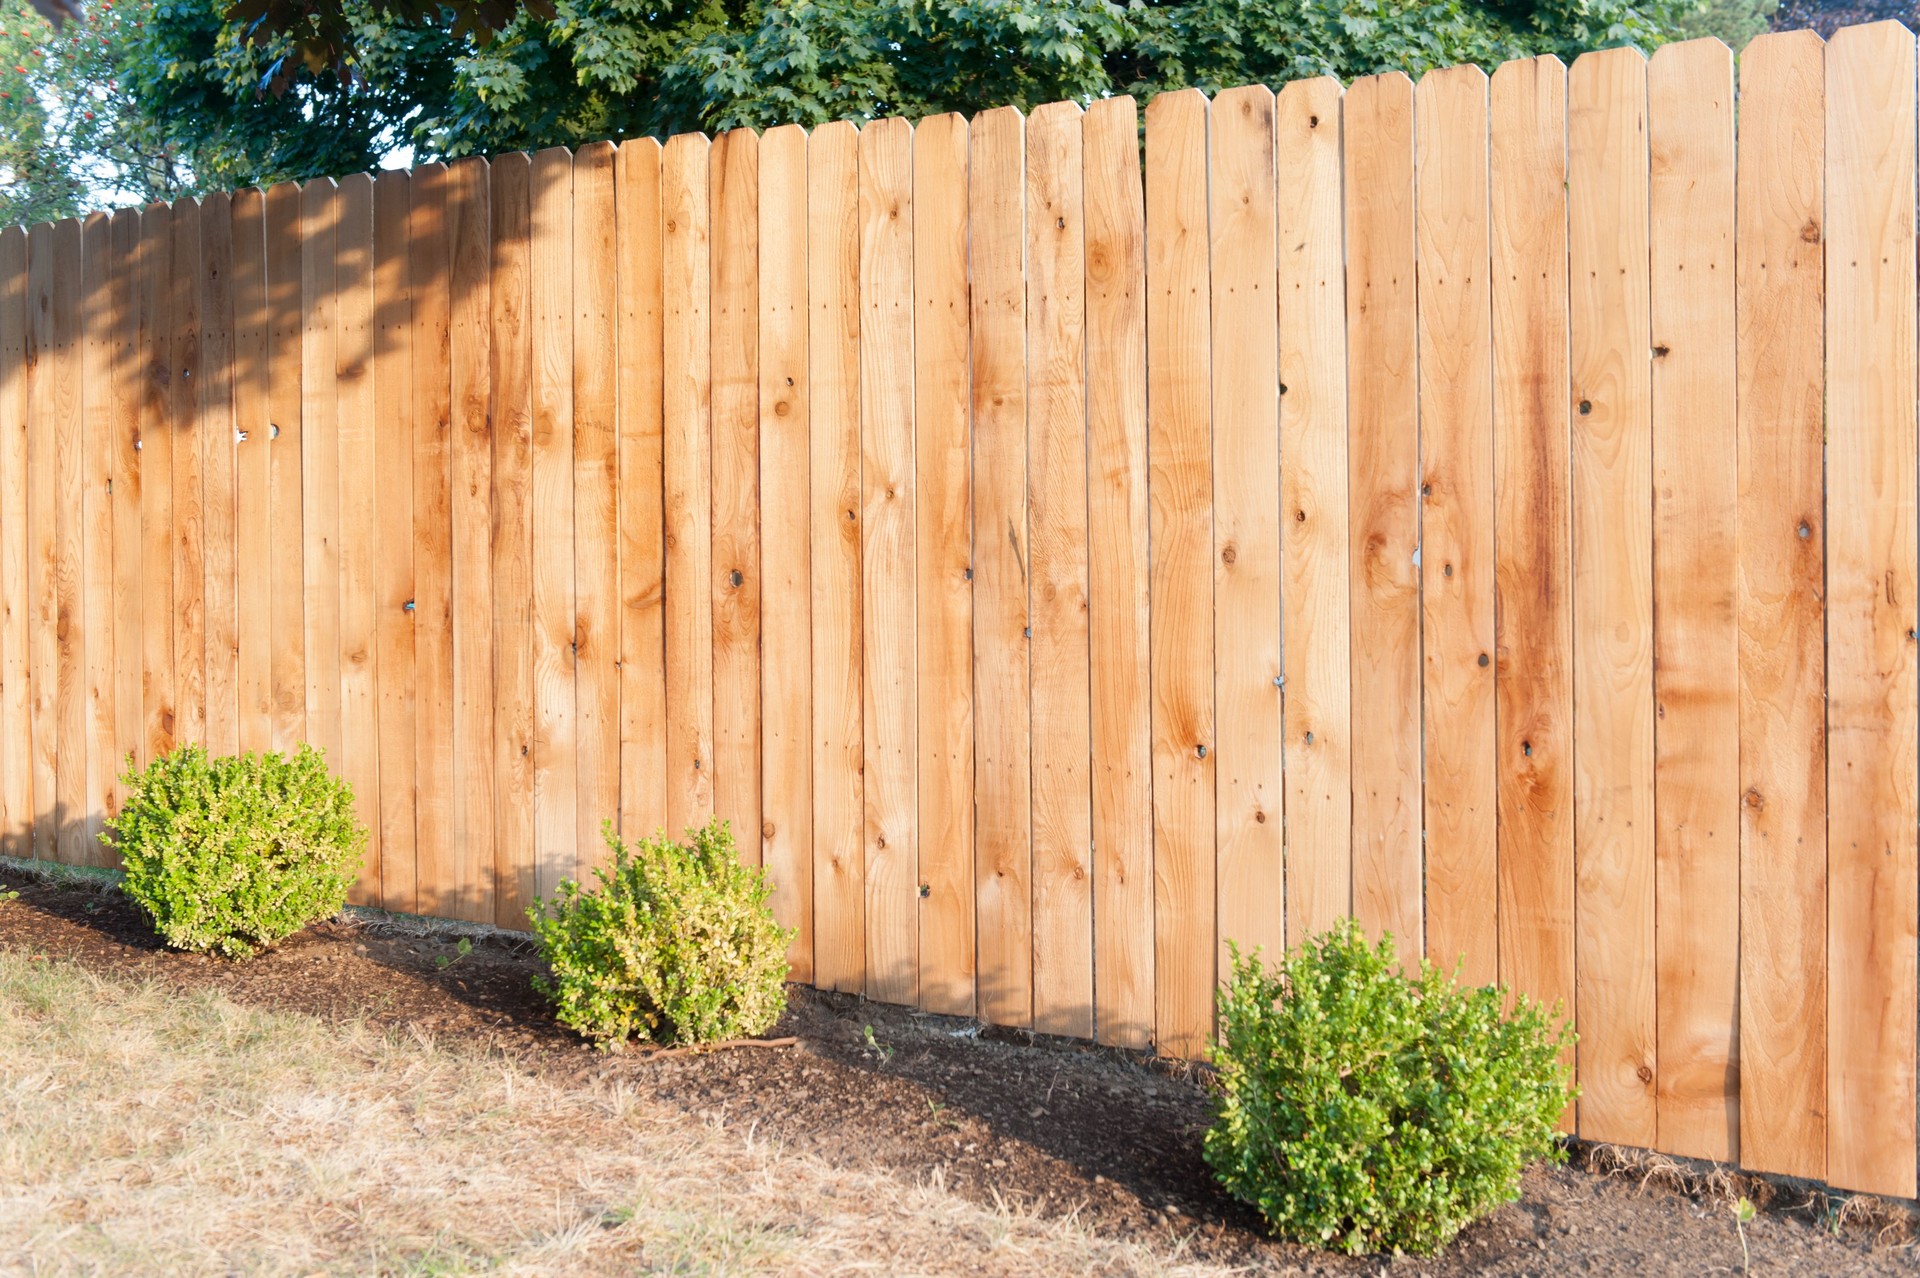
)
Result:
{"points": [[124, 489], [688, 496], [320, 483], [1249, 833], [98, 364], [555, 761], [1057, 516], [355, 343], [1180, 453], [1002, 775], [16, 746], [155, 446], [1456, 521], [217, 425], [1383, 475], [253, 549], [470, 430], [42, 497], [1533, 568], [285, 215], [1779, 303], [430, 412], [943, 543], [643, 683], [1696, 646], [1315, 703], [833, 384], [1122, 709], [1613, 592], [1871, 586], [596, 494], [510, 383], [734, 195], [67, 402], [393, 541], [786, 619], [189, 615], [888, 502]]}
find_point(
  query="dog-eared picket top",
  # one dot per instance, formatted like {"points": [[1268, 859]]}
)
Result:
{"points": [[1485, 507]]}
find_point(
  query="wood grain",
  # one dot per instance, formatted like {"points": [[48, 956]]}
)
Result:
{"points": [[355, 343], [123, 486], [1696, 641], [1533, 618], [1871, 586], [1315, 604], [1002, 777], [217, 459], [1117, 625], [1383, 461], [63, 371], [41, 360], [430, 415], [687, 484], [734, 194], [833, 402], [1057, 515], [555, 719], [189, 615], [320, 479], [786, 631], [1248, 830], [643, 684], [887, 555], [155, 446], [1456, 522], [469, 230], [943, 572], [252, 504], [510, 382], [1179, 446], [392, 529], [1611, 390], [98, 329], [16, 721], [285, 369], [1780, 311], [596, 493]]}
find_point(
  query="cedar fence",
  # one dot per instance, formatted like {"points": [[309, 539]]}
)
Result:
{"points": [[1485, 507]]}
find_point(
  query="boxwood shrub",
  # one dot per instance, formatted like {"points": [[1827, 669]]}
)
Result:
{"points": [[675, 945], [1366, 1110], [232, 854]]}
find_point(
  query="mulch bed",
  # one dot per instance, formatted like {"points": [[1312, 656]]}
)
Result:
{"points": [[1056, 1125]]}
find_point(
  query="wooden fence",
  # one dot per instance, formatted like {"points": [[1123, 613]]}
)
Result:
{"points": [[1485, 507]]}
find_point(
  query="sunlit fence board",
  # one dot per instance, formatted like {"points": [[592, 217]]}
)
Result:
{"points": [[1779, 313], [1871, 581], [1456, 521], [1610, 382], [1179, 448], [1696, 647]]}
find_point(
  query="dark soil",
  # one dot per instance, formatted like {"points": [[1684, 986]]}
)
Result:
{"points": [[1053, 1124]]}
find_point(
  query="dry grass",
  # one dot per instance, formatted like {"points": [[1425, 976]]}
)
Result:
{"points": [[143, 1130], [1887, 1221]]}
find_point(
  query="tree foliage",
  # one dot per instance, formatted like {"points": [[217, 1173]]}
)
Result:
{"points": [[73, 131], [230, 96]]}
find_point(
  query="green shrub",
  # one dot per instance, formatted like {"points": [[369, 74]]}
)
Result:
{"points": [[676, 944], [234, 854], [1366, 1110]]}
